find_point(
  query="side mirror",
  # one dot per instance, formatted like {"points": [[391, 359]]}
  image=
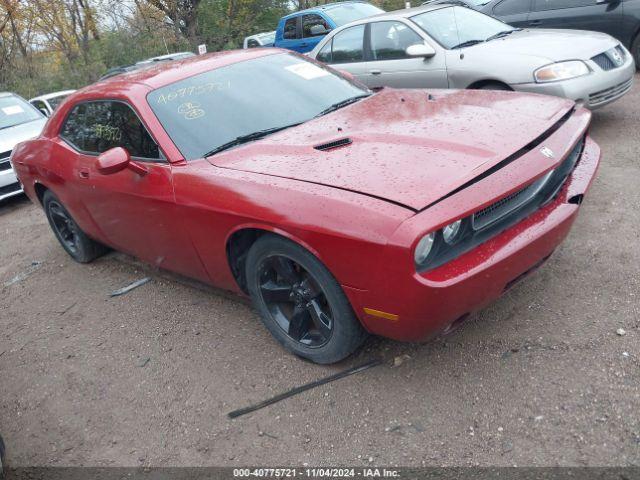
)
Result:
{"points": [[317, 30], [115, 160], [44, 111], [420, 50]]}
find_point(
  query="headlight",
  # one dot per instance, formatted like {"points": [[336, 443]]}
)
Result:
{"points": [[561, 71], [425, 245], [451, 231]]}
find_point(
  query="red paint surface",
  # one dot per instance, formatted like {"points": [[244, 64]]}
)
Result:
{"points": [[406, 149]]}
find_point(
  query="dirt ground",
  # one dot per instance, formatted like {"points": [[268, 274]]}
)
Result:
{"points": [[539, 378]]}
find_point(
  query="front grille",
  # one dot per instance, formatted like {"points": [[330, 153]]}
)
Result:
{"points": [[550, 183], [604, 62], [510, 210], [4, 161], [609, 94], [611, 59]]}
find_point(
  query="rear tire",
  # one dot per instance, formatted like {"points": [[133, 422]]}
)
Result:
{"points": [[75, 242], [300, 302]]}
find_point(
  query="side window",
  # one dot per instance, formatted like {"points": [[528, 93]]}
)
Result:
{"points": [[99, 126], [39, 104], [348, 45], [290, 30], [313, 20], [390, 40], [512, 7], [324, 55], [542, 5], [74, 129]]}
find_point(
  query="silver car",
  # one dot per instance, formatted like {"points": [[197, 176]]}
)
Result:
{"points": [[49, 102], [19, 121], [445, 46]]}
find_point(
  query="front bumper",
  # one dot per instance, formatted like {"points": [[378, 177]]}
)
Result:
{"points": [[593, 91], [430, 302], [9, 184]]}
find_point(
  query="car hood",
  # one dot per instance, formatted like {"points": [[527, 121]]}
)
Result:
{"points": [[406, 147], [10, 137], [550, 45]]}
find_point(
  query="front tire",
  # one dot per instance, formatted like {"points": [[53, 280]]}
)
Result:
{"points": [[76, 243], [501, 87], [300, 302]]}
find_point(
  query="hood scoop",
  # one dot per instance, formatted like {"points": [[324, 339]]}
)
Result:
{"points": [[343, 142]]}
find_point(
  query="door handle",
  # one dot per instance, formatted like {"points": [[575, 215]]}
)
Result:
{"points": [[83, 173], [535, 23], [375, 72]]}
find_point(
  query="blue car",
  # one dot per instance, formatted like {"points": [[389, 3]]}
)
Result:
{"points": [[301, 31]]}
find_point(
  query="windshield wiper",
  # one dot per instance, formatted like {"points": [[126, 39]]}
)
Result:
{"points": [[248, 138], [343, 103], [468, 43], [502, 34]]}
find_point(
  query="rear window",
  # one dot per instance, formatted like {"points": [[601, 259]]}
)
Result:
{"points": [[343, 14], [15, 110]]}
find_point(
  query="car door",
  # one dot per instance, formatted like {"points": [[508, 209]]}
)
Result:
{"points": [[290, 34], [135, 213], [345, 51], [513, 12], [595, 15], [630, 29], [388, 65], [311, 24]]}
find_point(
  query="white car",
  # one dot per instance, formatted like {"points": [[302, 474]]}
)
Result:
{"points": [[265, 39], [19, 121], [49, 102]]}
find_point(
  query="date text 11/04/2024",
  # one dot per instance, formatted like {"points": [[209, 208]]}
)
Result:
{"points": [[316, 472]]}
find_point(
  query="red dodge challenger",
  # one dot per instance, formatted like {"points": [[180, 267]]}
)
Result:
{"points": [[339, 211]]}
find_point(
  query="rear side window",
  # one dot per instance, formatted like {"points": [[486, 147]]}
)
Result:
{"points": [[324, 55], [95, 127], [290, 29], [311, 20], [390, 40], [512, 7], [348, 45], [542, 5]]}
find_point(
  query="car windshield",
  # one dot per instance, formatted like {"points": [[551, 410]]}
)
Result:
{"points": [[457, 27], [267, 37], [14, 111], [55, 101], [343, 14], [206, 112]]}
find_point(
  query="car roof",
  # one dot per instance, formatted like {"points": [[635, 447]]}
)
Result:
{"points": [[404, 13], [326, 6], [159, 74], [49, 96]]}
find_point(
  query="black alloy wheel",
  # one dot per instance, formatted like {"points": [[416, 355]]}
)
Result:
{"points": [[63, 226], [300, 302], [76, 243], [296, 302]]}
